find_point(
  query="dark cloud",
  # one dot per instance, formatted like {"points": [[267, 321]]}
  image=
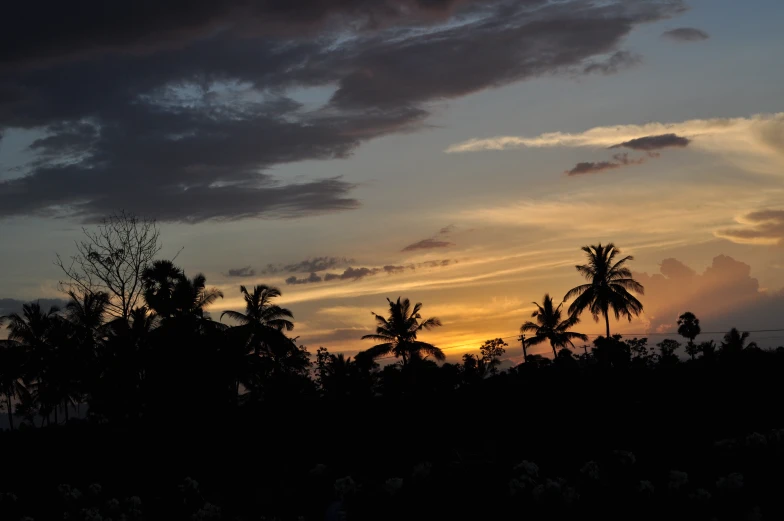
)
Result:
{"points": [[352, 274], [179, 110], [614, 63], [651, 143], [686, 34], [308, 280], [725, 295], [316, 264], [246, 271], [393, 270], [428, 244], [12, 305], [601, 166], [590, 167], [762, 226], [437, 263]]}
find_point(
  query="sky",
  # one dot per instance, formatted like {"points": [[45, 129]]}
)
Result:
{"points": [[455, 152]]}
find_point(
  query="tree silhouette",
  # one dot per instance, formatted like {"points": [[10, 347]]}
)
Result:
{"points": [[491, 351], [262, 319], [398, 333], [111, 260], [549, 326], [610, 282], [159, 281], [734, 342], [12, 371], [689, 328]]}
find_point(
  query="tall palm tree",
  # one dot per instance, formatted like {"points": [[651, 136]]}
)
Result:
{"points": [[398, 333], [609, 286], [689, 328], [192, 297], [12, 370], [261, 318], [550, 326]]}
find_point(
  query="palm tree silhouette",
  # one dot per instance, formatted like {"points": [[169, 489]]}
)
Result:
{"points": [[689, 328], [398, 333], [262, 319], [549, 326], [735, 342], [159, 281], [609, 284], [12, 371]]}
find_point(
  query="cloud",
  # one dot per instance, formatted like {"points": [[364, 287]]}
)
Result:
{"points": [[308, 280], [615, 63], [12, 305], [651, 143], [686, 34], [601, 166], [316, 264], [754, 142], [760, 227], [723, 296], [428, 244], [246, 271], [351, 274], [437, 241], [189, 109]]}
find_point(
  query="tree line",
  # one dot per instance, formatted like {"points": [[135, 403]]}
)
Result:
{"points": [[135, 341]]}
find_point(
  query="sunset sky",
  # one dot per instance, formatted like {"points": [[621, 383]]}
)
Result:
{"points": [[458, 153]]}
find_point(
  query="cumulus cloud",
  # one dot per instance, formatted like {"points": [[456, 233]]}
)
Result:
{"points": [[760, 227], [725, 295], [245, 271], [686, 34], [181, 113]]}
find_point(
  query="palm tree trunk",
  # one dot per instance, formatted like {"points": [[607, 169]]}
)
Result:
{"points": [[607, 322], [555, 353], [10, 413], [65, 406]]}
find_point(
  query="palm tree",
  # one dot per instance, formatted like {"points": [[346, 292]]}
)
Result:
{"points": [[610, 282], [191, 297], [159, 281], [689, 328], [735, 342], [398, 333], [35, 329], [550, 326], [262, 319], [12, 370]]}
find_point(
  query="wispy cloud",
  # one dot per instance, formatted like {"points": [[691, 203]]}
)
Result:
{"points": [[760, 227], [245, 271]]}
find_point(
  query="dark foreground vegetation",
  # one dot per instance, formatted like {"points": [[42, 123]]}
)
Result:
{"points": [[183, 417]]}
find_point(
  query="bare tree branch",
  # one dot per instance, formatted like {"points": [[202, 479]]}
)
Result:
{"points": [[111, 260]]}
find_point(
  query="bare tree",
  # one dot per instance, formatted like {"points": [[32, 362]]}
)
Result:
{"points": [[111, 260]]}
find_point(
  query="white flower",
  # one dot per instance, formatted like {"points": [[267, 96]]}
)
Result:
{"points": [[591, 470], [528, 468], [627, 458], [646, 487], [678, 480], [732, 481], [345, 486], [421, 471], [755, 439], [700, 495], [319, 470], [393, 485]]}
